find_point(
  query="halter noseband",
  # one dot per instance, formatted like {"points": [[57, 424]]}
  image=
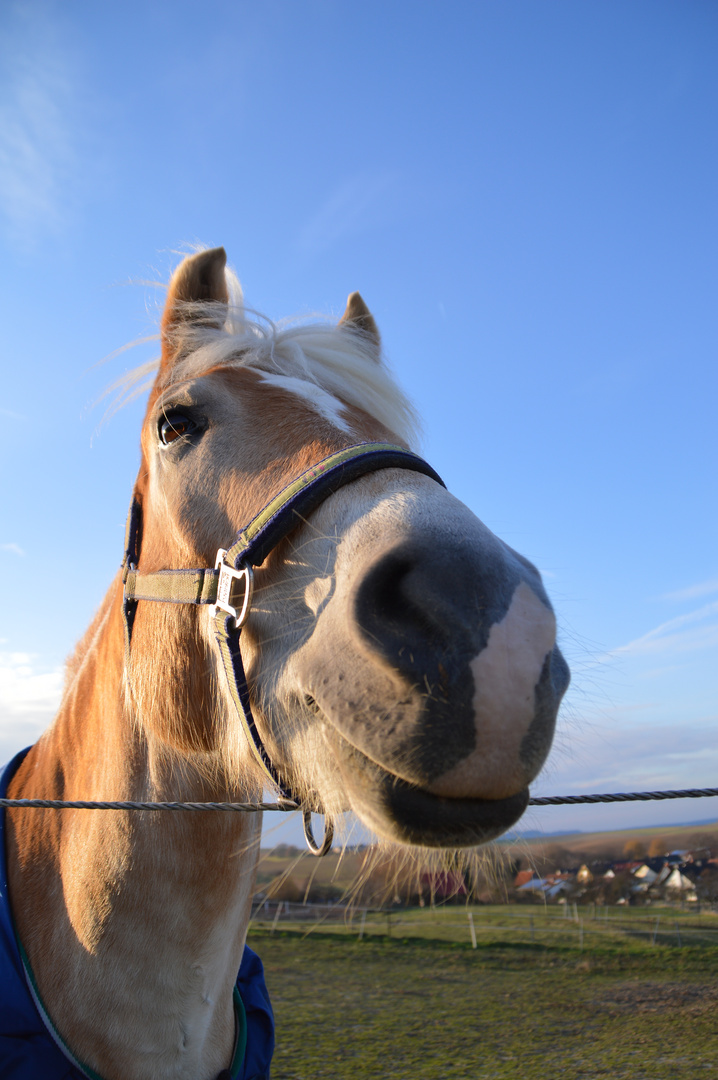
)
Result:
{"points": [[228, 587]]}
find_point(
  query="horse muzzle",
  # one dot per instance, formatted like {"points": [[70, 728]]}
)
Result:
{"points": [[441, 699]]}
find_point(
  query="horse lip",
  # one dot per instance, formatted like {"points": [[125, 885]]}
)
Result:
{"points": [[411, 814], [453, 822]]}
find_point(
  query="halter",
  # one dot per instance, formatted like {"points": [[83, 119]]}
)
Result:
{"points": [[228, 586]]}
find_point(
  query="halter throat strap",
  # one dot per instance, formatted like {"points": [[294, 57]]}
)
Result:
{"points": [[234, 567]]}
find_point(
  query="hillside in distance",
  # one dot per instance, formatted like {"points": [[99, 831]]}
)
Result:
{"points": [[291, 873], [619, 843]]}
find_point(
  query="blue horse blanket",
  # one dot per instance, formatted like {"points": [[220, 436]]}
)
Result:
{"points": [[30, 1049]]}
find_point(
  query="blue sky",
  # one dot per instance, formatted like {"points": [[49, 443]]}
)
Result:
{"points": [[524, 193]]}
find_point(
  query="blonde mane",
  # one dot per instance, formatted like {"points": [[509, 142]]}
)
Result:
{"points": [[340, 360]]}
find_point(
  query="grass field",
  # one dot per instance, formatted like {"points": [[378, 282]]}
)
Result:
{"points": [[535, 999]]}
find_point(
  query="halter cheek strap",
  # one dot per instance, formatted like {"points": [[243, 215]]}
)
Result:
{"points": [[228, 586]]}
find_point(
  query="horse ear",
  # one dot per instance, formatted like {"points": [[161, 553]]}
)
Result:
{"points": [[197, 295], [358, 317]]}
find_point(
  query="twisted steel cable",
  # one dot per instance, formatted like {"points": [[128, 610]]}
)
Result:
{"points": [[287, 805], [629, 796]]}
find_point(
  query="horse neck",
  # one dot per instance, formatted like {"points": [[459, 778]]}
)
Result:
{"points": [[143, 915]]}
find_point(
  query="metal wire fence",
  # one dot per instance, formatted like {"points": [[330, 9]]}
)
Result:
{"points": [[288, 806], [569, 926]]}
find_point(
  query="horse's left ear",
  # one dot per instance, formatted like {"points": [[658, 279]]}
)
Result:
{"points": [[358, 317], [197, 295]]}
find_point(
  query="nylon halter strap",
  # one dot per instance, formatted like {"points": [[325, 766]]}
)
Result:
{"points": [[228, 586]]}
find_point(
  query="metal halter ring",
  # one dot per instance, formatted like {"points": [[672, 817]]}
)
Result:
{"points": [[309, 835]]}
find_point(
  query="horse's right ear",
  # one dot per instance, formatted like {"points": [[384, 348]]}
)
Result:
{"points": [[358, 317], [197, 295]]}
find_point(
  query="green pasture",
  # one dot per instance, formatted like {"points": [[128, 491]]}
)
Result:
{"points": [[587, 928], [541, 994]]}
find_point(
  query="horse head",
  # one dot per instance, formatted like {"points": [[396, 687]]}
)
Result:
{"points": [[401, 659]]}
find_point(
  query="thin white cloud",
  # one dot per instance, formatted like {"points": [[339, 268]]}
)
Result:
{"points": [[676, 635], [18, 733], [38, 96], [15, 549], [349, 209], [29, 697], [8, 412], [626, 755], [703, 588], [27, 689]]}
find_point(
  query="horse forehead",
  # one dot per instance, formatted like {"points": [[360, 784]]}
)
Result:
{"points": [[282, 401], [319, 400], [219, 385], [221, 391]]}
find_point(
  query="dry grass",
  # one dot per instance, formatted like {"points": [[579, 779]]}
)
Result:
{"points": [[438, 1010]]}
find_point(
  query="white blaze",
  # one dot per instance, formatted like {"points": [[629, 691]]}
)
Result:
{"points": [[319, 399], [505, 676]]}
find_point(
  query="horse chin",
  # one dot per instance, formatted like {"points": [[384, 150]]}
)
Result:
{"points": [[407, 814]]}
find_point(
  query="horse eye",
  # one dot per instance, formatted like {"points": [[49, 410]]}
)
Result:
{"points": [[174, 425]]}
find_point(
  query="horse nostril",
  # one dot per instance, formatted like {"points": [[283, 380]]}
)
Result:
{"points": [[429, 611], [390, 597], [407, 613], [393, 605]]}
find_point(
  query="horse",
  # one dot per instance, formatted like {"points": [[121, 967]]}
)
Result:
{"points": [[397, 660]]}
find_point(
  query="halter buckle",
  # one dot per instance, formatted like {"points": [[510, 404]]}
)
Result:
{"points": [[225, 589]]}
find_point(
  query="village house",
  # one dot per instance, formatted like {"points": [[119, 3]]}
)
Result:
{"points": [[676, 877]]}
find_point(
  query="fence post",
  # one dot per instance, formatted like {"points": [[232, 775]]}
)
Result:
{"points": [[276, 916], [363, 920], [580, 934], [678, 934], [655, 930], [472, 930], [533, 935]]}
